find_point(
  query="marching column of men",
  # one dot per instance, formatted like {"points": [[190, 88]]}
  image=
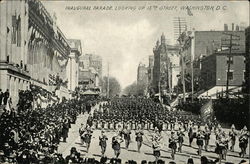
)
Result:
{"points": [[116, 115]]}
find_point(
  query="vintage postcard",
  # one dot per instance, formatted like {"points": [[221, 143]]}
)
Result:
{"points": [[124, 82]]}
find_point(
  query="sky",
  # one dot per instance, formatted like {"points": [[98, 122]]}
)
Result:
{"points": [[124, 38]]}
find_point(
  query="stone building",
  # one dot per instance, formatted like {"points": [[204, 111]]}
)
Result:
{"points": [[33, 50], [90, 71], [73, 63]]}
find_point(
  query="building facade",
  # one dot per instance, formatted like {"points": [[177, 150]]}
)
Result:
{"points": [[14, 73], [33, 50], [247, 56], [214, 72], [200, 44], [174, 59], [161, 67], [150, 74], [73, 63], [90, 72]]}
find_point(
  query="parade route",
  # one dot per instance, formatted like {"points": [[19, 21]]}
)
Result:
{"points": [[146, 151]]}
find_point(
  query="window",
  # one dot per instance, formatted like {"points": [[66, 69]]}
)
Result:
{"points": [[244, 75], [14, 30], [230, 75], [230, 59]]}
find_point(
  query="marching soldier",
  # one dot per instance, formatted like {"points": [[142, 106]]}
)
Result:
{"points": [[173, 143], [156, 144], [139, 133], [116, 144], [87, 137], [103, 142], [126, 133], [180, 135], [199, 141], [243, 141], [232, 135], [207, 134]]}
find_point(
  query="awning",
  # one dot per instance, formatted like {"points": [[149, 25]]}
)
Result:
{"points": [[89, 92], [212, 93]]}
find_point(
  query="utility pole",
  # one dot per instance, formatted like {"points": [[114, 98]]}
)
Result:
{"points": [[179, 25], [229, 46], [108, 82]]}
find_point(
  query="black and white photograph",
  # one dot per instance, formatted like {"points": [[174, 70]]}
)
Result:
{"points": [[124, 82]]}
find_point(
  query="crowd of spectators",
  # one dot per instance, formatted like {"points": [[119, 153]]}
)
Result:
{"points": [[32, 135]]}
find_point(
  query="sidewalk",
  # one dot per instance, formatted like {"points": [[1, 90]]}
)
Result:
{"points": [[73, 139]]}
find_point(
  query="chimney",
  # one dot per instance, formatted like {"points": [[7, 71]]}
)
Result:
{"points": [[225, 27], [237, 28], [232, 26]]}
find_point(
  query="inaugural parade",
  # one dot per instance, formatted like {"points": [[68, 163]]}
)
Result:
{"points": [[106, 87]]}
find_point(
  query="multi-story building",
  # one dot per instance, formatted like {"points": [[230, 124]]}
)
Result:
{"points": [[14, 73], [165, 67], [90, 71], [174, 68], [214, 73], [150, 74], [33, 50], [247, 56], [73, 63], [161, 67], [200, 44], [142, 72]]}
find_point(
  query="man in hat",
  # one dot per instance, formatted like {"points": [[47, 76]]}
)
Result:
{"points": [[232, 135], [6, 95], [139, 133], [207, 134], [1, 97], [243, 141], [103, 142], [116, 144], [180, 135], [173, 143], [199, 141], [156, 144], [126, 133]]}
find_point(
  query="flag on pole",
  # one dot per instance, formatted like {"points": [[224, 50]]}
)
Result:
{"points": [[207, 110]]}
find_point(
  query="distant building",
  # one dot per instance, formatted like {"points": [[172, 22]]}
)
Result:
{"points": [[174, 58], [200, 44], [214, 73], [90, 71], [73, 63], [161, 66], [142, 74], [247, 33], [165, 67], [150, 74]]}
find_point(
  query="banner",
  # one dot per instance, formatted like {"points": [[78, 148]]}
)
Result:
{"points": [[207, 110]]}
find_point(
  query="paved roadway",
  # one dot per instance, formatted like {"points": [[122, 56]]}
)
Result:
{"points": [[146, 150]]}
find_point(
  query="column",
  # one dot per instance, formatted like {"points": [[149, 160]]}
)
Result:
{"points": [[9, 25], [4, 80], [3, 31]]}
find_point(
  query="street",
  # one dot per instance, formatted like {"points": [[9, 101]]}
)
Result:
{"points": [[146, 150]]}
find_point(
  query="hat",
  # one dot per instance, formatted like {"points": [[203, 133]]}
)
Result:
{"points": [[6, 144], [233, 127], [245, 128]]}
